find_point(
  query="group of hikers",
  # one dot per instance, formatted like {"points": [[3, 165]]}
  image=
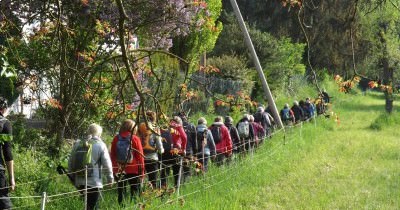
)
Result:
{"points": [[304, 110], [146, 151]]}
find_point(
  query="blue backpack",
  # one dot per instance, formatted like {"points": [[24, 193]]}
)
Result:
{"points": [[124, 151], [286, 114]]}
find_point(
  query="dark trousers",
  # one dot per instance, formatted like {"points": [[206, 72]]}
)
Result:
{"points": [[132, 180], [176, 168], [151, 167], [93, 195], [248, 144], [219, 159], [5, 202], [172, 163], [167, 161]]}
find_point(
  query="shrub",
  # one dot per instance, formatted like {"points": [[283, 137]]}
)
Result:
{"points": [[385, 120]]}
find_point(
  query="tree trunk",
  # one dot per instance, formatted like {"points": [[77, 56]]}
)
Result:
{"points": [[387, 73], [387, 81]]}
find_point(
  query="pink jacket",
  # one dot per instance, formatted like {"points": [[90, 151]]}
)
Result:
{"points": [[225, 145], [179, 139]]}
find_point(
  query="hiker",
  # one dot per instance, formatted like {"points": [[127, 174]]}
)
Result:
{"points": [[325, 96], [128, 160], [268, 112], [179, 141], [151, 142], [91, 152], [261, 117], [222, 140], [287, 115], [236, 141], [246, 132], [320, 105], [167, 158], [205, 145], [298, 112], [6, 164], [259, 132], [302, 105], [309, 108], [190, 131]]}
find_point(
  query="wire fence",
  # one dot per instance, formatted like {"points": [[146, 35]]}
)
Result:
{"points": [[227, 172]]}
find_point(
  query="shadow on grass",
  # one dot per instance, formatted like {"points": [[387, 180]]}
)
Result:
{"points": [[376, 95], [365, 107]]}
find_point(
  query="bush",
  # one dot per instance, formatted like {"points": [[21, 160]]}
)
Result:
{"points": [[31, 174], [385, 120], [38, 140]]}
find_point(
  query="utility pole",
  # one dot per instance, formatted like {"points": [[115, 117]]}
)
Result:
{"points": [[249, 44]]}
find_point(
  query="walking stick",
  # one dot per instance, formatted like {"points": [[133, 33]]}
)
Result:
{"points": [[202, 145], [180, 174]]}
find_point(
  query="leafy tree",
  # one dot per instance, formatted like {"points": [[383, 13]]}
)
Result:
{"points": [[84, 50], [7, 80], [381, 33], [280, 58], [203, 34]]}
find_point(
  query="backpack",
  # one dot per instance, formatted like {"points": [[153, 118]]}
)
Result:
{"points": [[149, 143], [190, 131], [234, 135], [216, 133], [262, 118], [82, 157], [166, 139], [286, 114], [201, 136], [244, 129], [258, 117], [124, 151], [189, 128]]}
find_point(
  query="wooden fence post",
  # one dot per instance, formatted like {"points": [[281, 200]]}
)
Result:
{"points": [[43, 205]]}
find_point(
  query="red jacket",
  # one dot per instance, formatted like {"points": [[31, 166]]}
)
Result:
{"points": [[137, 165], [225, 145], [179, 138], [259, 131]]}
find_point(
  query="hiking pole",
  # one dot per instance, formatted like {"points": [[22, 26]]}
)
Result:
{"points": [[249, 140], [284, 138], [315, 121], [86, 185], [253, 148], [179, 175], [161, 168], [301, 129], [203, 161]]}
